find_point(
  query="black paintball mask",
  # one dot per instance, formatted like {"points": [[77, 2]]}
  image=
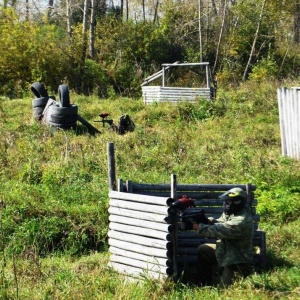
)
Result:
{"points": [[234, 201]]}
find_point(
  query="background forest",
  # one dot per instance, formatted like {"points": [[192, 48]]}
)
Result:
{"points": [[108, 48]]}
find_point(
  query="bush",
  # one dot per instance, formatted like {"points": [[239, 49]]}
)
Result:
{"points": [[280, 204], [264, 69]]}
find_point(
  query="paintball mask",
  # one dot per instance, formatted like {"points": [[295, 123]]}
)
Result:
{"points": [[234, 200]]}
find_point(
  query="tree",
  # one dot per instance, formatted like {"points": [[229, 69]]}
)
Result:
{"points": [[255, 39], [50, 8], [200, 31], [92, 28], [297, 23], [220, 36]]}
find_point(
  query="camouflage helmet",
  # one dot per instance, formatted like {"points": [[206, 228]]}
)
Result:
{"points": [[234, 200]]}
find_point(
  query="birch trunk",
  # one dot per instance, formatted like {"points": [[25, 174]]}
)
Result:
{"points": [[92, 28], [220, 36], [200, 31], [254, 41], [69, 18], [50, 7], [84, 29]]}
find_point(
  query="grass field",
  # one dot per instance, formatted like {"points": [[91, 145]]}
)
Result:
{"points": [[54, 191]]}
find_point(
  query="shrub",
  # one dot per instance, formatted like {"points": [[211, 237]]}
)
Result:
{"points": [[279, 204]]}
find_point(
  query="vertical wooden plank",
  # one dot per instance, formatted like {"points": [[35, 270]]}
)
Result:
{"points": [[294, 123], [174, 233], [111, 166], [129, 186], [290, 121], [286, 104], [281, 96], [249, 194], [120, 185], [296, 128], [207, 76], [285, 115], [298, 121]]}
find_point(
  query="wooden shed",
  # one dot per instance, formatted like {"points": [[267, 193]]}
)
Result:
{"points": [[180, 82]]}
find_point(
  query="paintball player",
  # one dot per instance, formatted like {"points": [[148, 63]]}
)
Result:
{"points": [[233, 251]]}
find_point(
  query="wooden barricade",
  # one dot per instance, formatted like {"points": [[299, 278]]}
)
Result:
{"points": [[144, 238], [140, 239]]}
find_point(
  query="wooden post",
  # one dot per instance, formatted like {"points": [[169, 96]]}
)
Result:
{"points": [[129, 186], [111, 166], [163, 76], [207, 76], [120, 185], [174, 233]]}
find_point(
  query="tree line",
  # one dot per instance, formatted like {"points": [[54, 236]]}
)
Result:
{"points": [[108, 48]]}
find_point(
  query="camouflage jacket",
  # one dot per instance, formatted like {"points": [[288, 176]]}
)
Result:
{"points": [[234, 235]]}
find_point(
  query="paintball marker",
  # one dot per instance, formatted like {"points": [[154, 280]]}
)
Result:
{"points": [[125, 123], [195, 216], [185, 204], [103, 120]]}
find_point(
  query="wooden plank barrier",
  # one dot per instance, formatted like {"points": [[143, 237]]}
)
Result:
{"points": [[172, 94], [140, 239], [144, 239]]}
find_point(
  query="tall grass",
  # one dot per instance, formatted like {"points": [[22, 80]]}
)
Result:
{"points": [[54, 191]]}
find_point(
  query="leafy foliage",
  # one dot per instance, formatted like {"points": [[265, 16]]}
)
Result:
{"points": [[280, 204], [127, 51]]}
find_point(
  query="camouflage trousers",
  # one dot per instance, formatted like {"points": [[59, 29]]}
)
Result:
{"points": [[207, 266]]}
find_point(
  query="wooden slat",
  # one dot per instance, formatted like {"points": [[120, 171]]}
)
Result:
{"points": [[127, 261], [163, 210], [147, 216], [165, 261], [185, 64], [136, 272], [150, 187], [162, 201], [211, 187], [182, 188], [153, 193], [136, 239], [156, 75], [141, 223], [189, 187], [138, 248], [147, 232]]}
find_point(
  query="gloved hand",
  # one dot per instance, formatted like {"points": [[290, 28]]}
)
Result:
{"points": [[201, 218], [186, 225], [183, 203]]}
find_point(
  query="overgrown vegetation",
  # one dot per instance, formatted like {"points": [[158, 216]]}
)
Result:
{"points": [[254, 39], [54, 191]]}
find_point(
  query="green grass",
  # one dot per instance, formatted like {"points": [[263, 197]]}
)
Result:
{"points": [[54, 191]]}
